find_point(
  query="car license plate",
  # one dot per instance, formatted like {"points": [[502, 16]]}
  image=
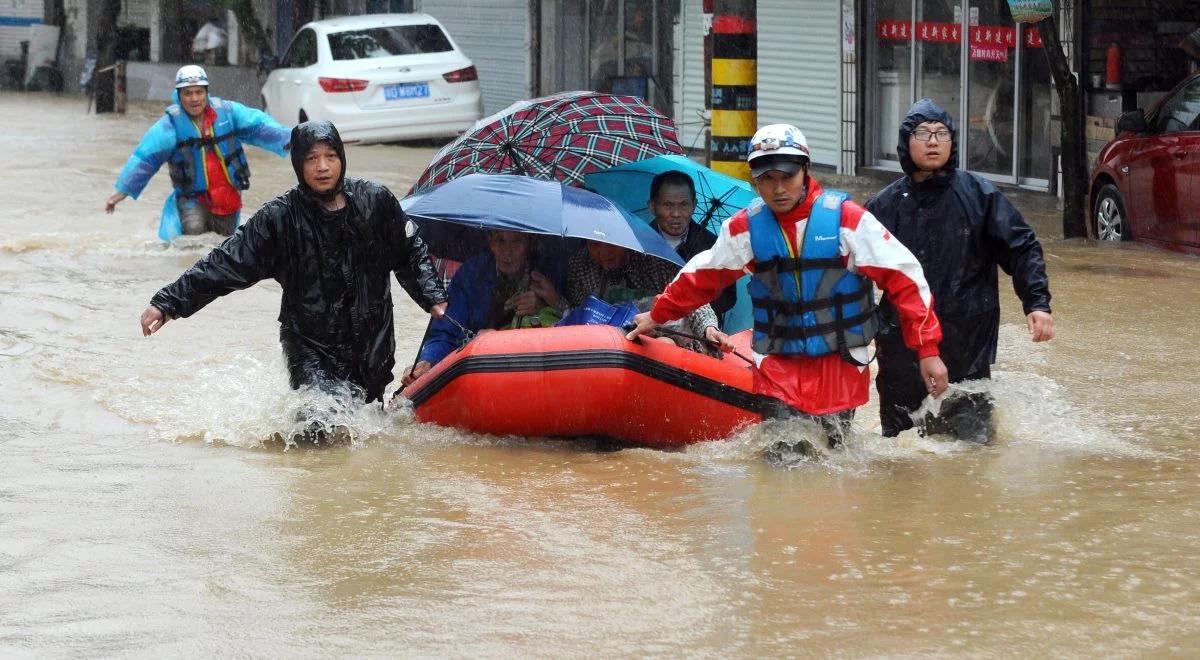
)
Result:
{"points": [[402, 91]]}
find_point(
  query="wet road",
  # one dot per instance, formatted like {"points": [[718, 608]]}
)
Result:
{"points": [[141, 512]]}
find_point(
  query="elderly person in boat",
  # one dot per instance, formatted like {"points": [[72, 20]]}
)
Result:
{"points": [[510, 286], [618, 275]]}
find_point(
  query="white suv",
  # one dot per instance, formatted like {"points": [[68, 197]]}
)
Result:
{"points": [[379, 77]]}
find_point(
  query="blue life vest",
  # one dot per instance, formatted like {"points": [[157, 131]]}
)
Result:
{"points": [[186, 165], [807, 305]]}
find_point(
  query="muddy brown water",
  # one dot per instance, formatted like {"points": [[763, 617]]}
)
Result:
{"points": [[141, 512]]}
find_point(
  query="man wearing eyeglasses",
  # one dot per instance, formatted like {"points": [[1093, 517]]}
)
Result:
{"points": [[961, 228]]}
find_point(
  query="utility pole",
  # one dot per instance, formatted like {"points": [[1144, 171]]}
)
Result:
{"points": [[707, 10], [734, 87]]}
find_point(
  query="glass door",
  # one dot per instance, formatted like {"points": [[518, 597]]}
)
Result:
{"points": [[939, 53], [1033, 128], [892, 92], [990, 121]]}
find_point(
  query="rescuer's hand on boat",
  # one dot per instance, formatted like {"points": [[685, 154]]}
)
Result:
{"points": [[439, 310], [935, 376], [642, 324], [153, 320], [1041, 325], [718, 338], [416, 372]]}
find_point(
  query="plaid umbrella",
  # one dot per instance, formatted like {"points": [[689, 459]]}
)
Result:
{"points": [[560, 137]]}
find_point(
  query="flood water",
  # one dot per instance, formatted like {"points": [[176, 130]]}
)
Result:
{"points": [[143, 512]]}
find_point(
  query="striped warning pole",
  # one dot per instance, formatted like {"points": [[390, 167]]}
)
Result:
{"points": [[734, 85]]}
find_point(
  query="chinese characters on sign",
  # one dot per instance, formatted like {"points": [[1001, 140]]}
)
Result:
{"points": [[991, 37], [986, 54]]}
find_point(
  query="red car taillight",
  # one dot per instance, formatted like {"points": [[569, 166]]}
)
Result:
{"points": [[462, 75], [334, 85]]}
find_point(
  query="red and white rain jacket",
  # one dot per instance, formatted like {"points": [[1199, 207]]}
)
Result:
{"points": [[826, 384]]}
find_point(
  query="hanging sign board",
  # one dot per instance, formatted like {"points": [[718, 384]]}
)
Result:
{"points": [[1030, 11]]}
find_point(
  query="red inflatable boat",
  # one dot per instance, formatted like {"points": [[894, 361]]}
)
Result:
{"points": [[588, 380]]}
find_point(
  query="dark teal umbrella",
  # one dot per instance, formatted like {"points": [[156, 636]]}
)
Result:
{"points": [[718, 196]]}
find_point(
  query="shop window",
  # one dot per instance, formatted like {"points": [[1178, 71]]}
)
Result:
{"points": [[893, 78], [919, 50], [620, 50], [991, 40], [1036, 99]]}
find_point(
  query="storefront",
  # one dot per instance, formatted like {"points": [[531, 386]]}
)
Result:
{"points": [[1133, 58], [799, 44], [970, 57], [620, 46]]}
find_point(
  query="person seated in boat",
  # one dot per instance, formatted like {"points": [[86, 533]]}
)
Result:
{"points": [[618, 275], [511, 285], [673, 203]]}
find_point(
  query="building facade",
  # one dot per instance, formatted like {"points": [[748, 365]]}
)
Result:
{"points": [[844, 71]]}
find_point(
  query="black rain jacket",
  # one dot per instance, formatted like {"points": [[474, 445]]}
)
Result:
{"points": [[698, 240], [336, 312], [960, 227]]}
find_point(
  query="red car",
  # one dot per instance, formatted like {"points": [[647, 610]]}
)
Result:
{"points": [[1146, 184]]}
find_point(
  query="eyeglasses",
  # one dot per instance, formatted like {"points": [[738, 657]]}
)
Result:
{"points": [[923, 135]]}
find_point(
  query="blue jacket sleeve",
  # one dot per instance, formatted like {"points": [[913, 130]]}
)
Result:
{"points": [[444, 336], [470, 298], [259, 129], [155, 148]]}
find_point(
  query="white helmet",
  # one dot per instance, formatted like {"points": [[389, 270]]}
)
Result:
{"points": [[189, 76], [777, 147]]}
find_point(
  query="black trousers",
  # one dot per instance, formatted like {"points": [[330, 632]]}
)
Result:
{"points": [[835, 425], [309, 365], [965, 416]]}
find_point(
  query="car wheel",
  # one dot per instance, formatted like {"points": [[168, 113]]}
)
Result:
{"points": [[303, 116], [1111, 222]]}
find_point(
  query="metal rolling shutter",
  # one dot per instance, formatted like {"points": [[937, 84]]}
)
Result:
{"points": [[15, 18], [799, 65], [689, 74], [495, 35]]}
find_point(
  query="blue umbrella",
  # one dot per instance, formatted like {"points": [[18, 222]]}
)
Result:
{"points": [[718, 196], [519, 203]]}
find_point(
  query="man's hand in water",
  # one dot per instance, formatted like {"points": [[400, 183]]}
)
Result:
{"points": [[935, 376], [1041, 326], [642, 324], [153, 320], [718, 338], [439, 310], [417, 371], [111, 204]]}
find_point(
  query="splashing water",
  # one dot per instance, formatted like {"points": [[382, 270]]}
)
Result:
{"points": [[246, 402]]}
